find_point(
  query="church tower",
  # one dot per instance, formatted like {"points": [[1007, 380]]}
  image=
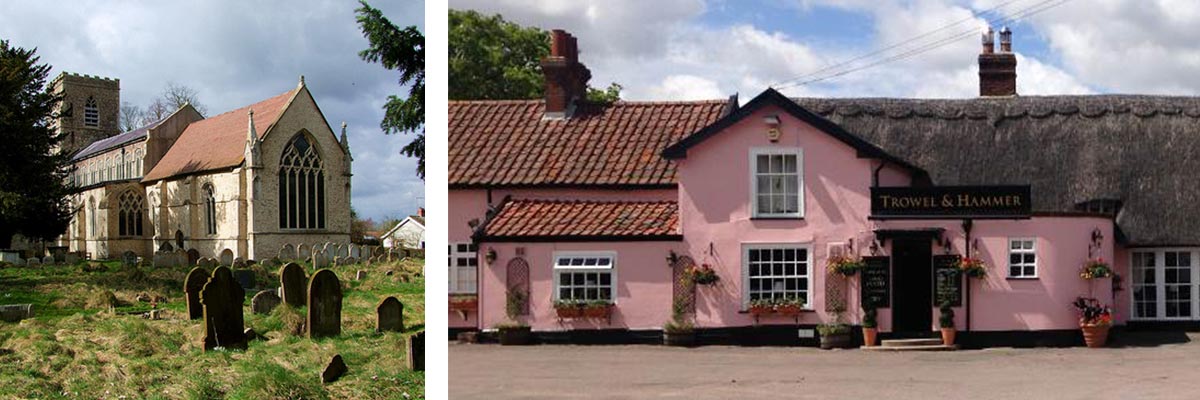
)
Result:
{"points": [[90, 109]]}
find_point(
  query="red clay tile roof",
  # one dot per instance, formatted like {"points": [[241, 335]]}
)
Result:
{"points": [[508, 143], [564, 219], [218, 142]]}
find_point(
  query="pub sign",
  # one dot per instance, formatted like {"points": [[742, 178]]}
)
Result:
{"points": [[976, 202]]}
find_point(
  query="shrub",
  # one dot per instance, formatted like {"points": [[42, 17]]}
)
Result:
{"points": [[946, 317]]}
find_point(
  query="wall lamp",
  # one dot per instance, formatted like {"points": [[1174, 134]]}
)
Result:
{"points": [[772, 122]]}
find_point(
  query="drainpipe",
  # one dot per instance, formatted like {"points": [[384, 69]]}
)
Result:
{"points": [[966, 224]]}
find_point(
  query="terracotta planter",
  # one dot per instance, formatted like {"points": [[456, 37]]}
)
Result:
{"points": [[515, 336], [788, 310], [869, 335], [758, 311], [1095, 336], [569, 312], [464, 303], [597, 311], [948, 335]]}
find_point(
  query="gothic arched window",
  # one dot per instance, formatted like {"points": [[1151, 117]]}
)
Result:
{"points": [[91, 113], [301, 185], [210, 210], [129, 221]]}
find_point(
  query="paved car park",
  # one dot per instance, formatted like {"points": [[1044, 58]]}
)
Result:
{"points": [[1155, 366]]}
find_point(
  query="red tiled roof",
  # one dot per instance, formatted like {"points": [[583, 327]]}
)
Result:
{"points": [[218, 142], [523, 219], [498, 143]]}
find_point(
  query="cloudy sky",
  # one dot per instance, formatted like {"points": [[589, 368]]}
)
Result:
{"points": [[688, 49], [235, 53]]}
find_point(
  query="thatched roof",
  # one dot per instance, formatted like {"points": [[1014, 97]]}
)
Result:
{"points": [[1142, 150]]}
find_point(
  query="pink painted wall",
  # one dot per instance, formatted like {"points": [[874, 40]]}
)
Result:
{"points": [[642, 276]]}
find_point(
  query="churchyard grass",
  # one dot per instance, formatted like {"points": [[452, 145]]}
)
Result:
{"points": [[90, 340]]}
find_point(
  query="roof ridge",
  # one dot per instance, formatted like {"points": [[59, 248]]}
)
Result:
{"points": [[590, 201], [618, 102]]}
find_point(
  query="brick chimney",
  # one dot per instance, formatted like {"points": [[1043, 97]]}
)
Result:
{"points": [[566, 79], [421, 212], [997, 71]]}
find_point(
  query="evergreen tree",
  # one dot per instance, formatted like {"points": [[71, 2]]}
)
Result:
{"points": [[34, 185], [402, 50]]}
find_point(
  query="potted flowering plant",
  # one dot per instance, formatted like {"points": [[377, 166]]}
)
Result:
{"points": [[1094, 320], [1093, 269], [845, 265], [835, 335], [946, 323], [870, 326], [972, 267], [568, 308], [597, 309], [703, 274], [789, 306], [761, 307]]}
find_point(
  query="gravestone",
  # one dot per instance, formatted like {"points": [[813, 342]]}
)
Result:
{"points": [[193, 255], [320, 260], [264, 302], [415, 352], [303, 252], [389, 315], [181, 258], [223, 321], [166, 247], [163, 259], [16, 312], [343, 250], [291, 283], [226, 257], [33, 262], [238, 262], [48, 260], [245, 278], [324, 305], [72, 259], [192, 285], [360, 275], [355, 251], [287, 252], [129, 259], [334, 370]]}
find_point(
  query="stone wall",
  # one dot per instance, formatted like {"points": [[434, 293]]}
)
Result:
{"points": [[76, 89]]}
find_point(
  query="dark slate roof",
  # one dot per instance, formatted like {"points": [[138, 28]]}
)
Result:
{"points": [[510, 143], [115, 141], [1142, 150], [575, 220]]}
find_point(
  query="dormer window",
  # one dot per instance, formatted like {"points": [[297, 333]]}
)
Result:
{"points": [[91, 113], [1100, 206]]}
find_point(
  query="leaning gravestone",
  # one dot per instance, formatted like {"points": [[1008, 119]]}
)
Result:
{"points": [[264, 302], [223, 321], [389, 315], [415, 352], [227, 257], [129, 259], [291, 283], [324, 305], [192, 286]]}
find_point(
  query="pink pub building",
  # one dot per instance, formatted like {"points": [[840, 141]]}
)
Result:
{"points": [[561, 200]]}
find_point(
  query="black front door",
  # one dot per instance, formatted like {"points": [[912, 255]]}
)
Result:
{"points": [[912, 278]]}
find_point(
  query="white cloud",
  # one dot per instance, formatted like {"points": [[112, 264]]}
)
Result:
{"points": [[685, 87]]}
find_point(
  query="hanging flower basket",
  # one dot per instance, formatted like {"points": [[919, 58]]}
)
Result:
{"points": [[972, 267], [1094, 269], [703, 275], [845, 265]]}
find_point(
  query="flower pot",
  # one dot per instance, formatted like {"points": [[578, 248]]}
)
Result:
{"points": [[515, 336], [569, 312], [869, 335], [679, 339], [788, 310], [835, 341], [1095, 336], [758, 311], [597, 311], [948, 335]]}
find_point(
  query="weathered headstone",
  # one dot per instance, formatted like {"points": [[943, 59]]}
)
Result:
{"points": [[192, 285], [389, 315], [48, 260], [355, 251], [181, 258], [334, 370], [291, 283], [238, 262], [193, 255], [264, 302], [166, 247], [16, 312], [129, 259], [324, 305], [33, 262], [208, 262], [72, 259], [226, 257], [360, 275], [303, 252], [245, 278], [287, 252], [319, 260], [415, 352], [223, 321], [343, 250]]}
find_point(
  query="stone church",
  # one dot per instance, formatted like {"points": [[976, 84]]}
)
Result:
{"points": [[246, 182]]}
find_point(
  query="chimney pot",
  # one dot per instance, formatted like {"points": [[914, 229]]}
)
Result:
{"points": [[989, 41], [1005, 40], [565, 78], [421, 212], [998, 71]]}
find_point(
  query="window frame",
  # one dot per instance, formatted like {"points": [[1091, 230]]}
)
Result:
{"points": [[611, 255], [210, 209], [1160, 285], [454, 270], [91, 113], [753, 172], [1036, 274], [808, 262]]}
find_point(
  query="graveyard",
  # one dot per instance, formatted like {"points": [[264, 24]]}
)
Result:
{"points": [[114, 329]]}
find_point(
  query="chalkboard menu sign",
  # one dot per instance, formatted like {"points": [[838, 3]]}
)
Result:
{"points": [[947, 280], [875, 284]]}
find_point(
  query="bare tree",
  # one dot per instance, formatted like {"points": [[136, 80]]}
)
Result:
{"points": [[176, 95], [132, 117], [157, 110]]}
